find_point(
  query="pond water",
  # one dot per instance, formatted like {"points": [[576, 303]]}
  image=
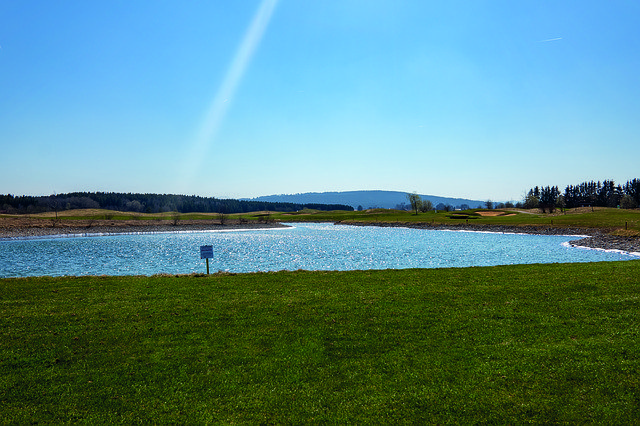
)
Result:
{"points": [[302, 246]]}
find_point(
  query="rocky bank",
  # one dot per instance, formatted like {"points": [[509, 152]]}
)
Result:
{"points": [[588, 237]]}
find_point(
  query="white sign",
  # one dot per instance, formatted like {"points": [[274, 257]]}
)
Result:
{"points": [[206, 252]]}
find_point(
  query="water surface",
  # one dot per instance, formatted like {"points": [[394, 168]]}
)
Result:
{"points": [[302, 246]]}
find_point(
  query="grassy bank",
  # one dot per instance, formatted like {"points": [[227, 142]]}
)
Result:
{"points": [[625, 222], [514, 344]]}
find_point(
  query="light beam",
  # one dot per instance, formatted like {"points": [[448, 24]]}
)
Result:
{"points": [[217, 110]]}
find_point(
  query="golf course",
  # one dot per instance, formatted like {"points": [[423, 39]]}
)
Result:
{"points": [[517, 344]]}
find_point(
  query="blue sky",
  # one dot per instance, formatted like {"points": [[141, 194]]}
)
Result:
{"points": [[473, 99]]}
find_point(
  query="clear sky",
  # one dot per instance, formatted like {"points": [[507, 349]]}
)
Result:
{"points": [[474, 99]]}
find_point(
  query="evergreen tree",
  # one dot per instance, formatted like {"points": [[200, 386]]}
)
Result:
{"points": [[632, 189], [531, 201], [548, 198]]}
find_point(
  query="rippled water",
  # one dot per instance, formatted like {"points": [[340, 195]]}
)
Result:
{"points": [[303, 246]]}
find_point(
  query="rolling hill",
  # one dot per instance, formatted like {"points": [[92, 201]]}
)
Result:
{"points": [[366, 199]]}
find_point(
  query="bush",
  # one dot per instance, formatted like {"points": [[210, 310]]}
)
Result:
{"points": [[628, 203], [425, 206]]}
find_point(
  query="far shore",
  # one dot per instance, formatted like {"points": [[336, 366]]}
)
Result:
{"points": [[11, 228]]}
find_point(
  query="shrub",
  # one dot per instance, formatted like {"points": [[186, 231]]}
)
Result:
{"points": [[628, 203]]}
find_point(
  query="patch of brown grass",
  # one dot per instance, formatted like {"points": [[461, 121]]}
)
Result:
{"points": [[626, 233]]}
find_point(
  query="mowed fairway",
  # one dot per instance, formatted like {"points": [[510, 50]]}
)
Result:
{"points": [[555, 343]]}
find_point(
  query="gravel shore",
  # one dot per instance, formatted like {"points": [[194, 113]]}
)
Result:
{"points": [[591, 238], [47, 229], [610, 242]]}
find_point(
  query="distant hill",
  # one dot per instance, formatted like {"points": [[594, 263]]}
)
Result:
{"points": [[366, 199]]}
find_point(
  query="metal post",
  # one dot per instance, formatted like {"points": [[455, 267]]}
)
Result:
{"points": [[206, 252]]}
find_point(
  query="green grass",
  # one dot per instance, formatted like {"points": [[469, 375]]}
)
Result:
{"points": [[620, 221], [544, 344], [609, 219]]}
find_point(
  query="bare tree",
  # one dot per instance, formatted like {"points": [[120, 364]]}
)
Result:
{"points": [[54, 204], [175, 217], [415, 201]]}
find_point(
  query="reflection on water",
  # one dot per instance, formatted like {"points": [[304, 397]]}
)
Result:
{"points": [[303, 246]]}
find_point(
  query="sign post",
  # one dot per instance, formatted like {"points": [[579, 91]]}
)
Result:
{"points": [[206, 252]]}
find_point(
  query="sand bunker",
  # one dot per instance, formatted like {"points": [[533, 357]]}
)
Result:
{"points": [[491, 214]]}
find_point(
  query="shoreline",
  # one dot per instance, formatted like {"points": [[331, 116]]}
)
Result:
{"points": [[587, 237], [45, 229]]}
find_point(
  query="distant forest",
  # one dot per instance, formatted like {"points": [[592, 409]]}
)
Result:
{"points": [[147, 203], [589, 194]]}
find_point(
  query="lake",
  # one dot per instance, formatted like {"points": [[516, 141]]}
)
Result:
{"points": [[301, 246]]}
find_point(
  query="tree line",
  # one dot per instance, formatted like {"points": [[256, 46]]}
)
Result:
{"points": [[585, 194], [147, 203]]}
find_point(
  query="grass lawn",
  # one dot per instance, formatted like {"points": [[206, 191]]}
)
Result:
{"points": [[609, 219], [551, 344]]}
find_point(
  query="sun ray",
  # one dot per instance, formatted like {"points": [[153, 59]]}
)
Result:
{"points": [[215, 114]]}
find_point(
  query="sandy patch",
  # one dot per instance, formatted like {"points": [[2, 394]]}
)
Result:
{"points": [[489, 213], [494, 213]]}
